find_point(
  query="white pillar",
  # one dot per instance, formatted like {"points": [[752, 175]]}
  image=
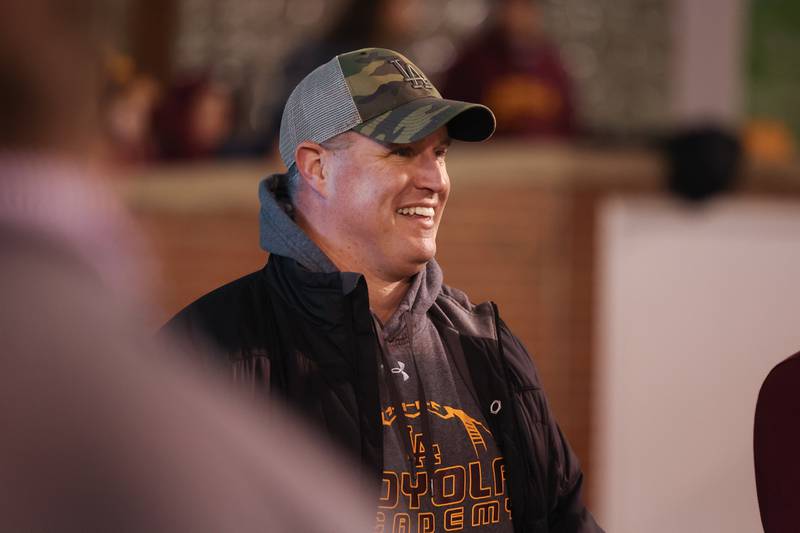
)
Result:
{"points": [[709, 39]]}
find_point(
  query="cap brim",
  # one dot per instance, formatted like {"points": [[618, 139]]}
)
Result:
{"points": [[419, 118]]}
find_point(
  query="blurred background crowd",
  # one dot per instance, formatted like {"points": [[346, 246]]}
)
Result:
{"points": [[216, 85], [191, 79], [636, 217]]}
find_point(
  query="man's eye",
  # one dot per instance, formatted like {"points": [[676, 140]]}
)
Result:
{"points": [[441, 154], [403, 152]]}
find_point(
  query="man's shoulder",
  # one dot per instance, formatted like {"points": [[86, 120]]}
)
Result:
{"points": [[232, 293], [454, 308], [225, 308]]}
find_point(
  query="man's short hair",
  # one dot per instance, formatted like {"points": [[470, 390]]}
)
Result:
{"points": [[337, 142], [292, 182]]}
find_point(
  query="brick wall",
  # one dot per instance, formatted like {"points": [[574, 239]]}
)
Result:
{"points": [[199, 252]]}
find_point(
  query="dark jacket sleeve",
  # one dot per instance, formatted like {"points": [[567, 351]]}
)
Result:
{"points": [[557, 463]]}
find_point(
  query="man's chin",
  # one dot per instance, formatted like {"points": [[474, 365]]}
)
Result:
{"points": [[404, 262], [413, 265]]}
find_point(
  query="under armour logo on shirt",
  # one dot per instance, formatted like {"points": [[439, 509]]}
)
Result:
{"points": [[399, 370]]}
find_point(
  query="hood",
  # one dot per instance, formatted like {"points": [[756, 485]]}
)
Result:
{"points": [[279, 233], [425, 288]]}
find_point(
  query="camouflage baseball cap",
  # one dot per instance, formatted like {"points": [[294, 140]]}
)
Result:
{"points": [[378, 93]]}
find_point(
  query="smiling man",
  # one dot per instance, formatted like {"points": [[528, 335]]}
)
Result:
{"points": [[351, 323]]}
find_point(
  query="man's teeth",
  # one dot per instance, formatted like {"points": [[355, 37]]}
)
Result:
{"points": [[421, 211]]}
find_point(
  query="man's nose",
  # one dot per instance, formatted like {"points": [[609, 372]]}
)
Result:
{"points": [[431, 174]]}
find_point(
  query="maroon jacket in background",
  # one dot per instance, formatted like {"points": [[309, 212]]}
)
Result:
{"points": [[528, 89], [776, 442]]}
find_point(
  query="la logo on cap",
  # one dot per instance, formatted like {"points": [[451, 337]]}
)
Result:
{"points": [[411, 75]]}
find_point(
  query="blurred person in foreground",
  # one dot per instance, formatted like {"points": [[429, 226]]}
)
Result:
{"points": [[103, 429], [513, 68], [351, 323]]}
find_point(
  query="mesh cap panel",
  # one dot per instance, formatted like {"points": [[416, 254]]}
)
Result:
{"points": [[320, 107]]}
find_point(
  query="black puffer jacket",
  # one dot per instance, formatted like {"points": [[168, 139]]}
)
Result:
{"points": [[308, 337], [303, 331]]}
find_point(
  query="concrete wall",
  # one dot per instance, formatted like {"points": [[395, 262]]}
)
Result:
{"points": [[694, 308]]}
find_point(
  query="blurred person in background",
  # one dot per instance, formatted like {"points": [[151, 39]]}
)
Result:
{"points": [[350, 320], [513, 68], [360, 24], [103, 428], [194, 120], [127, 104]]}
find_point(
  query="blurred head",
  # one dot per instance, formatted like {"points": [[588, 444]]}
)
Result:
{"points": [[365, 136], [49, 74], [127, 110], [519, 20], [375, 22], [194, 119], [211, 116], [398, 19]]}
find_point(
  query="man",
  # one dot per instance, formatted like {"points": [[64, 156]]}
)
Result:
{"points": [[350, 322], [102, 428]]}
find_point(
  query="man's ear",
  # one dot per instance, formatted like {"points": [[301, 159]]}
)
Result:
{"points": [[308, 158]]}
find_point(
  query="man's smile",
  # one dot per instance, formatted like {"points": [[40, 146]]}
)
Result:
{"points": [[417, 211]]}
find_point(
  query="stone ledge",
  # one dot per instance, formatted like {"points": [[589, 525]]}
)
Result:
{"points": [[232, 185]]}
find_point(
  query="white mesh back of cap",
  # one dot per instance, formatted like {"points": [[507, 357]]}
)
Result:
{"points": [[320, 107]]}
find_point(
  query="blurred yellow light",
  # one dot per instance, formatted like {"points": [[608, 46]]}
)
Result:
{"points": [[769, 141]]}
